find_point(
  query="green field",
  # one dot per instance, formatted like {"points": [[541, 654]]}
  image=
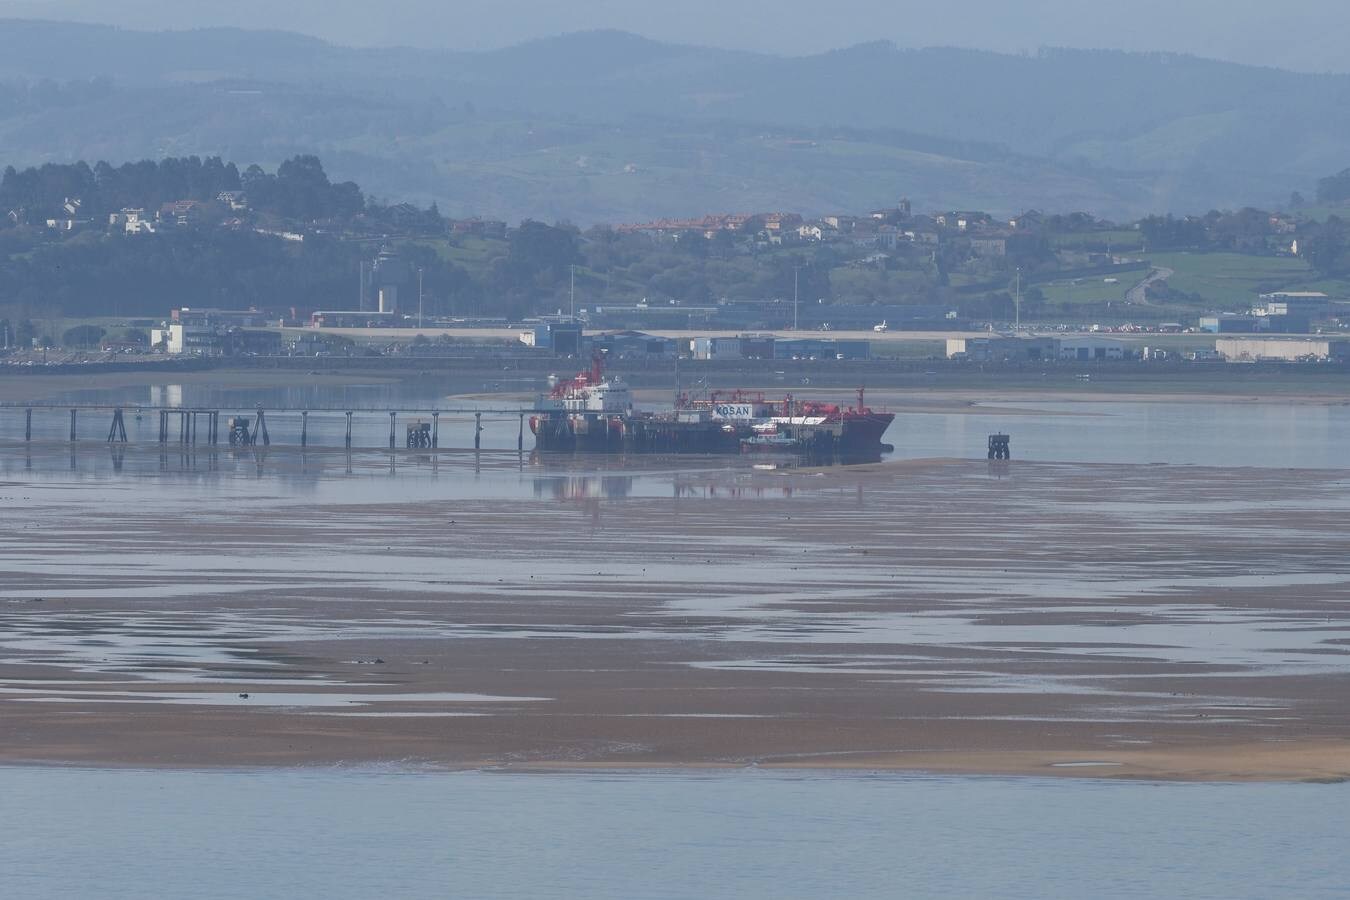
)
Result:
{"points": [[470, 252], [1090, 291], [1232, 281], [1220, 281]]}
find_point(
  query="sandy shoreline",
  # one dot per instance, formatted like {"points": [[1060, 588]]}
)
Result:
{"points": [[933, 615], [1318, 762]]}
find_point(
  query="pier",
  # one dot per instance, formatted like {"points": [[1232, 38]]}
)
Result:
{"points": [[248, 427]]}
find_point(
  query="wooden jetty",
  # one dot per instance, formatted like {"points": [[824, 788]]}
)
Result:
{"points": [[246, 427]]}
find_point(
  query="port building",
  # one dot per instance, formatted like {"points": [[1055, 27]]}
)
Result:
{"points": [[757, 346], [1256, 349], [1002, 349], [1087, 348]]}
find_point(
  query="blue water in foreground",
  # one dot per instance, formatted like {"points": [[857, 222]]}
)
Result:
{"points": [[375, 834]]}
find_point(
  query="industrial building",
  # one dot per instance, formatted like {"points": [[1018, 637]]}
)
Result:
{"points": [[206, 340], [178, 339], [1274, 319], [635, 345], [1312, 303], [718, 347], [202, 316], [563, 338], [1002, 349], [752, 346], [1031, 349], [1284, 349], [382, 280], [1090, 347]]}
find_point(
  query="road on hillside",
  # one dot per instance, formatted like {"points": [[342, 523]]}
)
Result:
{"points": [[1138, 295]]}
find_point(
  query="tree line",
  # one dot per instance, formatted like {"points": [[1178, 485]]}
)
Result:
{"points": [[298, 191], [102, 272]]}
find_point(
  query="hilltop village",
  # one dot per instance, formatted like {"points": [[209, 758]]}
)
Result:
{"points": [[95, 257]]}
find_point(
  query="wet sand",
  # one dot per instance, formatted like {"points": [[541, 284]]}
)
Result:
{"points": [[940, 615]]}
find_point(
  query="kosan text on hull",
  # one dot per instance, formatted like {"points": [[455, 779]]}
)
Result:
{"points": [[593, 412]]}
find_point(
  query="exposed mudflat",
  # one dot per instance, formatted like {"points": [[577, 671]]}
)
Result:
{"points": [[1066, 619]]}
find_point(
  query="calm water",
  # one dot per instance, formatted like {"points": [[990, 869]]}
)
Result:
{"points": [[1267, 434], [333, 833], [1278, 435]]}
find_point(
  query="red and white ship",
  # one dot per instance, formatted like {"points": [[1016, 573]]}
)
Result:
{"points": [[593, 412]]}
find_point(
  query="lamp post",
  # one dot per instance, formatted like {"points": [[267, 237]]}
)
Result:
{"points": [[795, 271]]}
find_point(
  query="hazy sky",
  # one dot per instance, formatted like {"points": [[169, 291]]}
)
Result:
{"points": [[1309, 35]]}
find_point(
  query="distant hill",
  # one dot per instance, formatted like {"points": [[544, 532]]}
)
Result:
{"points": [[611, 126]]}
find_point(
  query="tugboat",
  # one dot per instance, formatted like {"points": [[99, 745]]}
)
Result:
{"points": [[768, 439]]}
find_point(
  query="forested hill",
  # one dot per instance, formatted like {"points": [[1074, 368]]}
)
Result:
{"points": [[205, 234], [610, 126], [135, 239], [299, 190]]}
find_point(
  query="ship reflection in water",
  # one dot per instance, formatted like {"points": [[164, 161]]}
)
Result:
{"points": [[583, 487], [711, 489]]}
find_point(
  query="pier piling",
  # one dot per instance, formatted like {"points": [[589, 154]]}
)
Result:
{"points": [[117, 431], [198, 425], [999, 446]]}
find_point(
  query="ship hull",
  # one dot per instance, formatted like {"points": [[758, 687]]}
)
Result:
{"points": [[862, 432], [631, 434]]}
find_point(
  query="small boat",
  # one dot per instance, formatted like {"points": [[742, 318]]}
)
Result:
{"points": [[768, 439]]}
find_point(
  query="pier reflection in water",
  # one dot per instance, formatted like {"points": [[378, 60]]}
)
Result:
{"points": [[338, 475]]}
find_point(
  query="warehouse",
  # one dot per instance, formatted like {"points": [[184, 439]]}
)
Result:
{"points": [[1287, 349], [1001, 349], [1088, 347]]}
